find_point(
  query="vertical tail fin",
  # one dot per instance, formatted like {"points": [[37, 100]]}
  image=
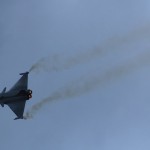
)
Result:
{"points": [[4, 90], [1, 95]]}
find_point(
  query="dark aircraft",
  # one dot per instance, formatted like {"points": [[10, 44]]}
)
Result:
{"points": [[17, 96]]}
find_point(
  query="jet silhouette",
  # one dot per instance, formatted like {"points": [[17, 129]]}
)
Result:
{"points": [[17, 96]]}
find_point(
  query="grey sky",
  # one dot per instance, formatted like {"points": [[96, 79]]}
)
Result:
{"points": [[112, 115]]}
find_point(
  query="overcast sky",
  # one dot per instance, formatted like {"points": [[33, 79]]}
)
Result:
{"points": [[90, 73]]}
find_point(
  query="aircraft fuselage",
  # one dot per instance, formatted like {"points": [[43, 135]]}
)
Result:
{"points": [[9, 97]]}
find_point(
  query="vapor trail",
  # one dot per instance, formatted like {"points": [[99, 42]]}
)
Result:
{"points": [[82, 85], [60, 62]]}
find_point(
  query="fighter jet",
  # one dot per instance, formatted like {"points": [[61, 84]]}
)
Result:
{"points": [[17, 96]]}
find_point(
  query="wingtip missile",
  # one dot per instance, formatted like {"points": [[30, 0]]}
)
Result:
{"points": [[24, 73], [19, 118]]}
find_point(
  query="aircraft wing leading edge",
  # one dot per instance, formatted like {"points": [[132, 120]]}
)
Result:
{"points": [[18, 108], [22, 83]]}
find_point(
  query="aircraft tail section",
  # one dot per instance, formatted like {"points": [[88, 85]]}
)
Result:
{"points": [[2, 94], [4, 90]]}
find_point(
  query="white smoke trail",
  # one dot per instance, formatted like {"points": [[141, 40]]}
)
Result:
{"points": [[59, 62], [83, 85]]}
